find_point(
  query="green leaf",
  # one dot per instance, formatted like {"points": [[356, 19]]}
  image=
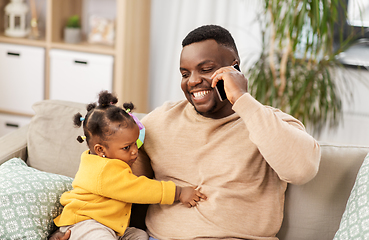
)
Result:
{"points": [[73, 22]]}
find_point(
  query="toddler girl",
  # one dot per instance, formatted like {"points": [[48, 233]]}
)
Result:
{"points": [[104, 188]]}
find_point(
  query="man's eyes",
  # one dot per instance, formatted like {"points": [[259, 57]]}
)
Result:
{"points": [[202, 70], [185, 75], [207, 69]]}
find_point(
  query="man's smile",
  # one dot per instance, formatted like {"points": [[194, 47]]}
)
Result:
{"points": [[200, 94]]}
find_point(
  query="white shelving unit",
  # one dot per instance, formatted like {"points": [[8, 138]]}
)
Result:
{"points": [[130, 53]]}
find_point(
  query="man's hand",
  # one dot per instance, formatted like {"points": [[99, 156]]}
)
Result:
{"points": [[189, 196], [57, 235], [235, 83]]}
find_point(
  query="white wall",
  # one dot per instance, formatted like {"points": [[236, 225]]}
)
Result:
{"points": [[354, 127]]}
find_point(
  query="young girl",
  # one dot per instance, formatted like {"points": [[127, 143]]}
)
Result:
{"points": [[104, 188]]}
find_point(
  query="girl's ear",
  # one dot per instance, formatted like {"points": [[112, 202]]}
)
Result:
{"points": [[99, 149]]}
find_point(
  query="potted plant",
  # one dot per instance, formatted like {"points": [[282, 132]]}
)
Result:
{"points": [[298, 71], [72, 30]]}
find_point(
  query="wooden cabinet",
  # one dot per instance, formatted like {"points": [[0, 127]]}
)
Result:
{"points": [[130, 52]]}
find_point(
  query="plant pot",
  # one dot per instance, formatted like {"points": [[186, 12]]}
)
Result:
{"points": [[72, 35]]}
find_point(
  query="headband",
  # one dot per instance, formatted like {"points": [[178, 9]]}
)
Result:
{"points": [[141, 137]]}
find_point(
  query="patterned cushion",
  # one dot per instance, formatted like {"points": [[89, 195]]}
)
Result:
{"points": [[29, 200], [355, 220]]}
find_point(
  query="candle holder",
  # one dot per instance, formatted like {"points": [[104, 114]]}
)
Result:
{"points": [[15, 15]]}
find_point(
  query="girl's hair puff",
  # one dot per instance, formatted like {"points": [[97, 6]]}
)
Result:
{"points": [[99, 117]]}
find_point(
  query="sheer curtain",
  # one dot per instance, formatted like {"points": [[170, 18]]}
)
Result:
{"points": [[171, 20]]}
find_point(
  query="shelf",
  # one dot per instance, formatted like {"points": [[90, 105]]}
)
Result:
{"points": [[84, 47], [23, 41], [81, 47]]}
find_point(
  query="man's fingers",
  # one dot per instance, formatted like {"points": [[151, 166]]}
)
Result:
{"points": [[221, 73], [222, 70]]}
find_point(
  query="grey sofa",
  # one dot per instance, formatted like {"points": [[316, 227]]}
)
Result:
{"points": [[312, 211]]}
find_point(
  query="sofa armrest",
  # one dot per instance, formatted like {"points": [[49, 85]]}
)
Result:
{"points": [[14, 144]]}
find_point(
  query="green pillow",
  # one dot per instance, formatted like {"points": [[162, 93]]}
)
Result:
{"points": [[355, 220], [29, 200]]}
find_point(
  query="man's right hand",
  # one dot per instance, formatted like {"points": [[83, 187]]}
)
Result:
{"points": [[60, 236], [235, 83]]}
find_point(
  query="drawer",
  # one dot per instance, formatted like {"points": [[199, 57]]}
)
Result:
{"points": [[9, 123], [22, 77], [79, 77]]}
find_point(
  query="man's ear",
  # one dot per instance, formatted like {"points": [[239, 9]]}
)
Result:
{"points": [[99, 149]]}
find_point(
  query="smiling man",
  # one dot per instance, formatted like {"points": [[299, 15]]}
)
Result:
{"points": [[240, 153]]}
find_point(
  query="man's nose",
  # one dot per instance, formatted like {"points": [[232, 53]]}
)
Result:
{"points": [[195, 79]]}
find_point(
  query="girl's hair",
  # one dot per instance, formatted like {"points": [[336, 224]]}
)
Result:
{"points": [[99, 117]]}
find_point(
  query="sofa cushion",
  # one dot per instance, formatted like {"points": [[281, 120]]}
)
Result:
{"points": [[29, 200], [355, 220], [51, 138], [314, 210]]}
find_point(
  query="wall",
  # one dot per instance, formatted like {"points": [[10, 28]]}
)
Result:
{"points": [[354, 127]]}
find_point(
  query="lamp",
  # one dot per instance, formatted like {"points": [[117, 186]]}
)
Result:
{"points": [[15, 15]]}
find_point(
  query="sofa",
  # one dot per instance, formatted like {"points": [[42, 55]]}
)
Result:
{"points": [[48, 146]]}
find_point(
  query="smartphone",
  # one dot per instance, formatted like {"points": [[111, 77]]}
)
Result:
{"points": [[220, 86]]}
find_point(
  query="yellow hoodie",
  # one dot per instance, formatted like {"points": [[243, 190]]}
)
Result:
{"points": [[104, 190]]}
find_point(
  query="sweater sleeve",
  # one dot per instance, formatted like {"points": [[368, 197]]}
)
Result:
{"points": [[281, 139], [118, 182]]}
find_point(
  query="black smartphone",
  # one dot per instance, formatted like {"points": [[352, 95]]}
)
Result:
{"points": [[220, 86]]}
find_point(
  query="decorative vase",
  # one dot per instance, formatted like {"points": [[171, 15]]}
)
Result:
{"points": [[72, 35]]}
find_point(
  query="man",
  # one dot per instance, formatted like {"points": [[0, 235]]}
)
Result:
{"points": [[240, 153]]}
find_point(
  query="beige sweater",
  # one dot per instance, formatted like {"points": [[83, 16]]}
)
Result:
{"points": [[242, 163]]}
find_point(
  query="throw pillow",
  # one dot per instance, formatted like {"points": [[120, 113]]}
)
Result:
{"points": [[51, 137], [355, 220], [29, 200]]}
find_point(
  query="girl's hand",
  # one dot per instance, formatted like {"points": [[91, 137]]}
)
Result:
{"points": [[189, 196], [60, 236]]}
